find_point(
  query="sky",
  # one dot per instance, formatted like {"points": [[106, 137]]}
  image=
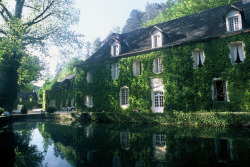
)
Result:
{"points": [[98, 18]]}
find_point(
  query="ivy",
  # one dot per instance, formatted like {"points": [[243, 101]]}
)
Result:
{"points": [[186, 89]]}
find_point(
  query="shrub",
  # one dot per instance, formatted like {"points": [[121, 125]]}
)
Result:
{"points": [[51, 110], [1, 110], [24, 110]]}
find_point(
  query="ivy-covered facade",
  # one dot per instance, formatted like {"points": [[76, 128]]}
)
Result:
{"points": [[197, 62]]}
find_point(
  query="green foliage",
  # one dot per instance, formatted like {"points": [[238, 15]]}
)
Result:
{"points": [[186, 89], [175, 118], [186, 7], [1, 111], [24, 110], [51, 110]]}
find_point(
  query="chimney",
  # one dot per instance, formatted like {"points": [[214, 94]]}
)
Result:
{"points": [[245, 1]]}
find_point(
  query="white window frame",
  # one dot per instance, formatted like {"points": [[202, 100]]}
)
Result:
{"points": [[157, 65], [196, 55], [232, 16], [156, 38], [158, 99], [115, 70], [115, 49], [225, 89], [137, 68], [124, 97], [90, 77], [20, 99], [30, 99], [89, 101], [235, 47]]}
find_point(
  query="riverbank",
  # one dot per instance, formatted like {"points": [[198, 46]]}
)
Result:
{"points": [[174, 118]]}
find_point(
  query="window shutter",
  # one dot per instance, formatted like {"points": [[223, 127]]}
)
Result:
{"points": [[202, 57], [225, 91], [234, 53]]}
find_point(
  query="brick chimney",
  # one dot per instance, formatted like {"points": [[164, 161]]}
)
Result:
{"points": [[245, 1]]}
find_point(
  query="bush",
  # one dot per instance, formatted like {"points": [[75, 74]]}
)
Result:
{"points": [[51, 110], [24, 110], [1, 110]]}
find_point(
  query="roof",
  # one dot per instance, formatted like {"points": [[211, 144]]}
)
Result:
{"points": [[26, 95], [199, 26], [69, 77]]}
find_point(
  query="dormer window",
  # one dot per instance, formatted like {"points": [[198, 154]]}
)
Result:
{"points": [[198, 58], [156, 37], [237, 54], [115, 48], [233, 19]]}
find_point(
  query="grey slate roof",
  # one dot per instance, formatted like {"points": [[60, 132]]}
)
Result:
{"points": [[69, 77], [191, 28], [26, 95]]}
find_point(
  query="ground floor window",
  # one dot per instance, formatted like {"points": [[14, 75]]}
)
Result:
{"points": [[124, 100], [219, 89], [89, 101], [159, 100]]}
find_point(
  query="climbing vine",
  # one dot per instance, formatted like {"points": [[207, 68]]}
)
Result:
{"points": [[186, 89]]}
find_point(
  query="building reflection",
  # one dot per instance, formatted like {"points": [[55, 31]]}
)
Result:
{"points": [[223, 150], [139, 164], [116, 161], [159, 145], [89, 131], [124, 140]]}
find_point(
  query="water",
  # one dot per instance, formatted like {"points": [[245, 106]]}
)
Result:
{"points": [[41, 143]]}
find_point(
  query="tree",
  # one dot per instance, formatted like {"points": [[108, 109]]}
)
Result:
{"points": [[35, 24], [96, 44], [116, 30], [133, 22], [180, 8], [88, 49]]}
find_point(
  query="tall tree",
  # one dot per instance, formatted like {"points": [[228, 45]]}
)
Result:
{"points": [[88, 49], [96, 44], [35, 24], [133, 22], [180, 8]]}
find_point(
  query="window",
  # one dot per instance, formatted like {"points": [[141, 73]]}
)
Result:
{"points": [[158, 99], [115, 71], [156, 37], [237, 54], [160, 140], [124, 97], [20, 99], [158, 65], [137, 67], [233, 23], [30, 99], [115, 48], [198, 58], [233, 20], [89, 101], [89, 77], [219, 90]]}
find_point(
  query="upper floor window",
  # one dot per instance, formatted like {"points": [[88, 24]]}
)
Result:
{"points": [[233, 19], [137, 67], [115, 71], [20, 99], [115, 48], [237, 54], [30, 99], [156, 37], [89, 101], [124, 97], [158, 65], [198, 58], [89, 77]]}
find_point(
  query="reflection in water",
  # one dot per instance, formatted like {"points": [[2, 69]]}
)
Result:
{"points": [[159, 145], [102, 145], [124, 140], [223, 150]]}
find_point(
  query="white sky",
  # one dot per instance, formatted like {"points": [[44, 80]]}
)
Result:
{"points": [[99, 17]]}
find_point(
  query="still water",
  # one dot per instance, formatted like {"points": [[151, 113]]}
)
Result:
{"points": [[52, 144]]}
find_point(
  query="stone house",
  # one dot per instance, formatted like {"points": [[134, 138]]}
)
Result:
{"points": [[193, 63]]}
